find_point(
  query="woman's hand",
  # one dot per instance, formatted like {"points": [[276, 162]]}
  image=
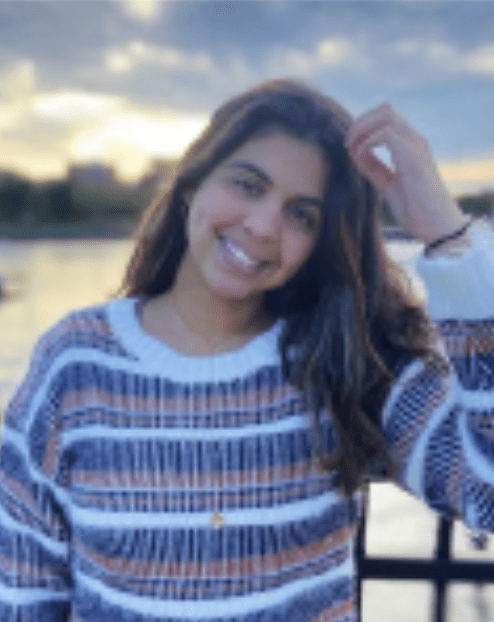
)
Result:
{"points": [[412, 185]]}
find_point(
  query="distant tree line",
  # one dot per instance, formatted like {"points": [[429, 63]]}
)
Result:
{"points": [[24, 201]]}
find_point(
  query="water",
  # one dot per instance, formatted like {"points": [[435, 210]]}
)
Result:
{"points": [[46, 279]]}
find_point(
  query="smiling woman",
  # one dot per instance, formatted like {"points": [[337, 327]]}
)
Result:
{"points": [[196, 449]]}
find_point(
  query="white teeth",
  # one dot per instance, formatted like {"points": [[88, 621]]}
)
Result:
{"points": [[240, 255]]}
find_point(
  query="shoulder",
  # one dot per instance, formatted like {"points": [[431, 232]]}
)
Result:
{"points": [[85, 329], [83, 336]]}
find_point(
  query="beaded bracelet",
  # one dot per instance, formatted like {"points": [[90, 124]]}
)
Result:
{"points": [[456, 234]]}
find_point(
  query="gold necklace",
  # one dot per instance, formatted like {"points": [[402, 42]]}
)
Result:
{"points": [[217, 519]]}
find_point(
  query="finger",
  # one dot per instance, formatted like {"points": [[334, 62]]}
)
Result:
{"points": [[379, 117], [382, 137], [376, 118], [374, 169], [370, 165], [403, 151]]}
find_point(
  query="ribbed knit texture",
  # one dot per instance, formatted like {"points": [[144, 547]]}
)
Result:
{"points": [[118, 451]]}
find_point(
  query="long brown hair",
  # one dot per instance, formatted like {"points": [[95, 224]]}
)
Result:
{"points": [[350, 319]]}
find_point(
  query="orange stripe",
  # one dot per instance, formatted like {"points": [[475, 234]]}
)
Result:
{"points": [[465, 344], [278, 475], [280, 562], [335, 613], [28, 575], [223, 583], [157, 413]]}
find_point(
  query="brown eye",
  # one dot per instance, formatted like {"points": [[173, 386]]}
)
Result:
{"points": [[303, 215], [248, 187]]}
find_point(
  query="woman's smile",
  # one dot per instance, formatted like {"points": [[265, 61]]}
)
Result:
{"points": [[239, 258]]}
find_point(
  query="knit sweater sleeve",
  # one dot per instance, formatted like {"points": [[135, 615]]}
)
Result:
{"points": [[439, 421], [34, 530], [34, 527]]}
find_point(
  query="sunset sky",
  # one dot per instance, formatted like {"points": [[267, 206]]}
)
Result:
{"points": [[125, 82]]}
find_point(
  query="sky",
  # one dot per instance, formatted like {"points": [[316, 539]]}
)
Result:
{"points": [[128, 82]]}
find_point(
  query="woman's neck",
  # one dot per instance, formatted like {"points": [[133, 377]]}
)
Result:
{"points": [[197, 324]]}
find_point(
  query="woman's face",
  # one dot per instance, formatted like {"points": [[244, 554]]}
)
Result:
{"points": [[254, 221]]}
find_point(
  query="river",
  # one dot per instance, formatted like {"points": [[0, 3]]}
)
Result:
{"points": [[45, 279]]}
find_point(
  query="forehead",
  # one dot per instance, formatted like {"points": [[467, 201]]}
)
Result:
{"points": [[284, 159]]}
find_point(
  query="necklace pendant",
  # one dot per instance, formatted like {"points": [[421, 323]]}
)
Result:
{"points": [[217, 520]]}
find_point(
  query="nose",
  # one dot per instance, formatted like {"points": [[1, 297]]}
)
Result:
{"points": [[263, 218]]}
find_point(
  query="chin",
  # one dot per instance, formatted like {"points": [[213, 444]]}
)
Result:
{"points": [[236, 294]]}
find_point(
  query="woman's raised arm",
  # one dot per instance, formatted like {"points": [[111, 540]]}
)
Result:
{"points": [[411, 185], [439, 423]]}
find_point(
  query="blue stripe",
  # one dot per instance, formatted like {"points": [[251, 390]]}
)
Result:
{"points": [[83, 376], [50, 610], [443, 447], [186, 457]]}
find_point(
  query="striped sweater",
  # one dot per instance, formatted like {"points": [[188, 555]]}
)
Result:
{"points": [[139, 484]]}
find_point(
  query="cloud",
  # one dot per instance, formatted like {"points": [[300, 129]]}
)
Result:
{"points": [[481, 60], [42, 133], [38, 162], [19, 80], [130, 56], [405, 62], [437, 55], [131, 138], [145, 11], [68, 105], [17, 89], [425, 49], [332, 53], [13, 114]]}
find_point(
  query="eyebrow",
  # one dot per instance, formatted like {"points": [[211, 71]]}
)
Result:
{"points": [[252, 168]]}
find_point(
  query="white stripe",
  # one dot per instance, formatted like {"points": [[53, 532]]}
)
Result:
{"points": [[232, 606], [157, 357], [289, 424], [283, 403], [410, 371], [285, 513], [17, 439], [476, 400], [476, 461], [170, 490], [55, 547], [416, 460], [28, 596]]}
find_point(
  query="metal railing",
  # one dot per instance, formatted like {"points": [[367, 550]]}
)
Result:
{"points": [[440, 570]]}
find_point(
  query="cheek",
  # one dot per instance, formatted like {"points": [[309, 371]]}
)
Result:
{"points": [[297, 249], [201, 216], [215, 207], [208, 212]]}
